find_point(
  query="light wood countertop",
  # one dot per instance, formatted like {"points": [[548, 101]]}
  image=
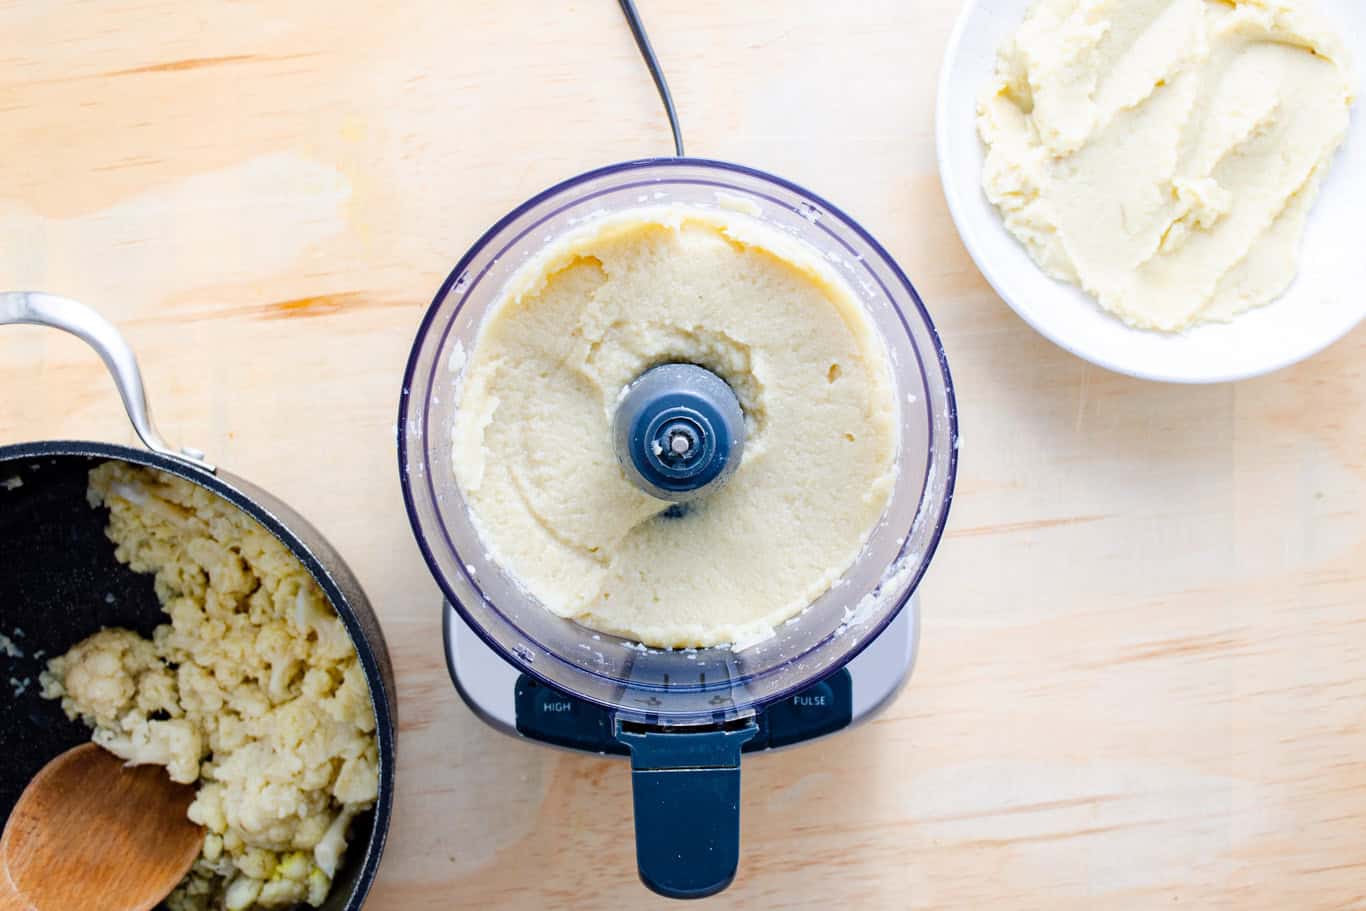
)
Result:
{"points": [[1141, 680]]}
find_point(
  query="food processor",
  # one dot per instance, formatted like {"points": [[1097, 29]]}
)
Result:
{"points": [[683, 716]]}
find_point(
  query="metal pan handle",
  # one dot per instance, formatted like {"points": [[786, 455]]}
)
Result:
{"points": [[39, 309]]}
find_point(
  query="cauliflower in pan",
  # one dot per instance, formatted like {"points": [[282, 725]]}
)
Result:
{"points": [[252, 689]]}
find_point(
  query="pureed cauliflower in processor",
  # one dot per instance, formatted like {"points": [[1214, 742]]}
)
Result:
{"points": [[253, 690], [578, 323]]}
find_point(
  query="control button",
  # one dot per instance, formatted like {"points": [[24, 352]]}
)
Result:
{"points": [[546, 714], [820, 709], [550, 703], [817, 700]]}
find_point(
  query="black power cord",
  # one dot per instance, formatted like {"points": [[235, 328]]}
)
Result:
{"points": [[628, 8]]}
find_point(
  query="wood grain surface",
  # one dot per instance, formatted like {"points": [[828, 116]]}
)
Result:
{"points": [[1141, 680]]}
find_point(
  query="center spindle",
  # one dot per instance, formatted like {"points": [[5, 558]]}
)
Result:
{"points": [[678, 431]]}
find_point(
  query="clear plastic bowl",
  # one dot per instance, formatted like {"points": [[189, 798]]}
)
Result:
{"points": [[691, 685]]}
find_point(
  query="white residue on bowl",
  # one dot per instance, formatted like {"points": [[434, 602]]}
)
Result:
{"points": [[8, 648], [456, 362], [897, 575], [20, 686], [922, 509], [752, 637], [13, 483], [870, 604], [742, 204]]}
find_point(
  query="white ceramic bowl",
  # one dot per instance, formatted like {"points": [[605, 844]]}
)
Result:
{"points": [[1324, 304]]}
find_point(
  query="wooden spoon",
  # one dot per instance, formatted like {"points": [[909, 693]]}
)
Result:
{"points": [[91, 833]]}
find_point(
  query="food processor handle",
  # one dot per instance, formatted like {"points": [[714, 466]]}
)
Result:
{"points": [[39, 309], [686, 787]]}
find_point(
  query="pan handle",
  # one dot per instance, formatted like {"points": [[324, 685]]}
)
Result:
{"points": [[39, 309]]}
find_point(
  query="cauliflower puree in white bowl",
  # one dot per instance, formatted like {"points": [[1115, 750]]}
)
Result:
{"points": [[1170, 189]]}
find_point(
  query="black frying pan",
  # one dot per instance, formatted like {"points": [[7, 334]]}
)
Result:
{"points": [[59, 581]]}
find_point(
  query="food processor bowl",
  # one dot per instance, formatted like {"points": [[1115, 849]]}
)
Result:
{"points": [[679, 686]]}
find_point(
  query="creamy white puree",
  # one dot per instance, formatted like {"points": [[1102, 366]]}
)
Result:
{"points": [[1164, 154], [533, 445]]}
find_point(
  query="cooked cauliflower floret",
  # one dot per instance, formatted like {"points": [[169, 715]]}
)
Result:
{"points": [[107, 676], [252, 688], [115, 682], [177, 745]]}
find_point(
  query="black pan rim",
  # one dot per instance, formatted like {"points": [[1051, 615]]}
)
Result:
{"points": [[240, 493]]}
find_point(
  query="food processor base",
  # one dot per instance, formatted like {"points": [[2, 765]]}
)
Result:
{"points": [[520, 706]]}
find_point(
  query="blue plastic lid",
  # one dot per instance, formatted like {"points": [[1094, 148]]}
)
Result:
{"points": [[679, 431]]}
